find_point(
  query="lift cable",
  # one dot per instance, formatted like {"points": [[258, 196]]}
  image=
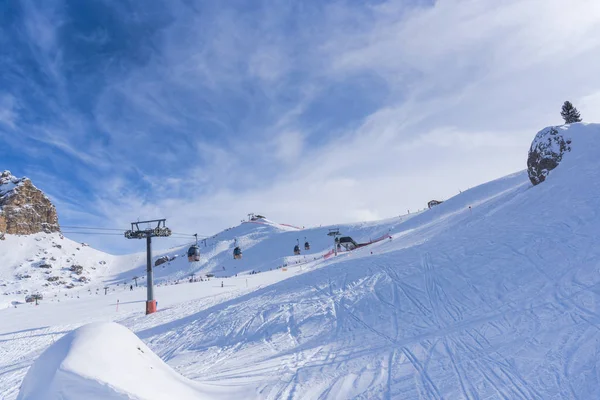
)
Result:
{"points": [[190, 235], [120, 230], [116, 234], [93, 233], [93, 228]]}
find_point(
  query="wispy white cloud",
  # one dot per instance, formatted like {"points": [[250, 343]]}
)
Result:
{"points": [[8, 111], [461, 128], [42, 22], [288, 146], [223, 113]]}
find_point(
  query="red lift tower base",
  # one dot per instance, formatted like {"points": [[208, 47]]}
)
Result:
{"points": [[136, 233], [150, 307]]}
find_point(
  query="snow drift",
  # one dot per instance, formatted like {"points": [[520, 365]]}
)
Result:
{"points": [[103, 361]]}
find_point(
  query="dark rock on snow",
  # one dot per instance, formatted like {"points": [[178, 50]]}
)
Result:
{"points": [[546, 153]]}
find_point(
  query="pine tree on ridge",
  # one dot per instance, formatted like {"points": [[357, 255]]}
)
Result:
{"points": [[570, 113]]}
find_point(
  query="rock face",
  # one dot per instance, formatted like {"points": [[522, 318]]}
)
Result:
{"points": [[24, 209], [546, 153]]}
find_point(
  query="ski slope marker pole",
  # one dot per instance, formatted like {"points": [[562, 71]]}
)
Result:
{"points": [[117, 305]]}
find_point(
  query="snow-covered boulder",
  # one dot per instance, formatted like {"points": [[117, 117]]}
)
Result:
{"points": [[546, 152], [104, 361]]}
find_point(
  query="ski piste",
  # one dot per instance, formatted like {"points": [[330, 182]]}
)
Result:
{"points": [[491, 294]]}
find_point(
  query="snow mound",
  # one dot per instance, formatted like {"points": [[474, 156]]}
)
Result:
{"points": [[103, 361]]}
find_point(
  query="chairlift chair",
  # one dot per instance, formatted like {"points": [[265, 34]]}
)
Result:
{"points": [[193, 253], [237, 253]]}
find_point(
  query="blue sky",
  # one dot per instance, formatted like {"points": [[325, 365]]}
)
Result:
{"points": [[310, 112]]}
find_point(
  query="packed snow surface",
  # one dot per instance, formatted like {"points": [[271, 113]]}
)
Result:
{"points": [[491, 295]]}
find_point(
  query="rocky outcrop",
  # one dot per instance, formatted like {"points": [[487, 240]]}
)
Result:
{"points": [[24, 209], [546, 153], [434, 203]]}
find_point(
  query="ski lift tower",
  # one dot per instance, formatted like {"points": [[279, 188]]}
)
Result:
{"points": [[136, 233], [335, 233]]}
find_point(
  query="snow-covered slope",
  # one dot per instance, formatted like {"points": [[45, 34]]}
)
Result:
{"points": [[49, 264], [55, 267], [266, 245], [492, 294], [496, 301]]}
